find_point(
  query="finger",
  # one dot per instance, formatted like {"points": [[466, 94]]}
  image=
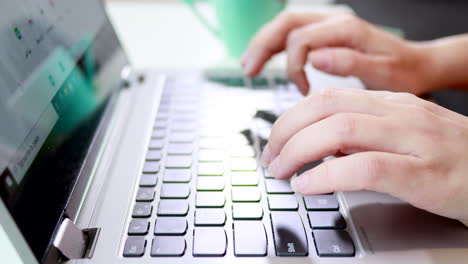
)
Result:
{"points": [[343, 31], [348, 62], [318, 106], [375, 171], [271, 39], [342, 133]]}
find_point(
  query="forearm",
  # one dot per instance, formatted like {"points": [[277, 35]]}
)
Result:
{"points": [[446, 62]]}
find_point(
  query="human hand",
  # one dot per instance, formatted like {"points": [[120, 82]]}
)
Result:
{"points": [[393, 143], [340, 44]]}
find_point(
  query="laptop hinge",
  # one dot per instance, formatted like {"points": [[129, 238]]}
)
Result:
{"points": [[75, 243]]}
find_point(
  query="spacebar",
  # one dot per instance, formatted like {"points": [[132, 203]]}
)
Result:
{"points": [[289, 234]]}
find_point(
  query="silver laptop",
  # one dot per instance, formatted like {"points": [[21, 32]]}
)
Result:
{"points": [[100, 163]]}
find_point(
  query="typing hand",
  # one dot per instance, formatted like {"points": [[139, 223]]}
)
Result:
{"points": [[343, 45], [393, 143]]}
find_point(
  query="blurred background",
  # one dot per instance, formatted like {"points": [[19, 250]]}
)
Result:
{"points": [[172, 35]]}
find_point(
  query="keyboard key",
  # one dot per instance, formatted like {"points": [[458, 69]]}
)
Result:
{"points": [[180, 149], [134, 247], [184, 117], [243, 164], [138, 227], [309, 166], [244, 178], [289, 234], [249, 238], [208, 183], [158, 133], [156, 144], [245, 151], [210, 199], [168, 246], [333, 243], [183, 126], [178, 162], [245, 194], [175, 191], [241, 211], [151, 167], [211, 168], [181, 137], [145, 195], [213, 155], [177, 175], [210, 217], [154, 155], [170, 226], [211, 143], [274, 186], [142, 210], [326, 220], [160, 123], [321, 202], [209, 241], [282, 202], [173, 208], [148, 180]]}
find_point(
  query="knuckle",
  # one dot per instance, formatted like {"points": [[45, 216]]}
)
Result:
{"points": [[344, 125], [295, 37], [374, 171]]}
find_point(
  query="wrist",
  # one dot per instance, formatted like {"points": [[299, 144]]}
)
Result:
{"points": [[430, 67]]}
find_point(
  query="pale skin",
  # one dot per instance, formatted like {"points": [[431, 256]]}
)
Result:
{"points": [[387, 141]]}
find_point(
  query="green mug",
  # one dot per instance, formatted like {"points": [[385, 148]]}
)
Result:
{"points": [[238, 20]]}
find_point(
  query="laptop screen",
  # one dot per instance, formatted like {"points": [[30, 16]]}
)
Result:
{"points": [[59, 63]]}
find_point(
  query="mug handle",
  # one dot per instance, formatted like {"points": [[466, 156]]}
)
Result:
{"points": [[199, 15]]}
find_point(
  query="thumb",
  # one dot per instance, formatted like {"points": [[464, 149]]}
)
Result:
{"points": [[347, 62]]}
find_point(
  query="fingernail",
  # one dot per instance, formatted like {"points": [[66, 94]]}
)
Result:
{"points": [[276, 169], [266, 156], [294, 184], [321, 61]]}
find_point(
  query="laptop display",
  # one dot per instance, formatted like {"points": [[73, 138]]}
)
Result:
{"points": [[59, 63]]}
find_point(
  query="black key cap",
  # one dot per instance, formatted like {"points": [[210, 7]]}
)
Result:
{"points": [[274, 186], [148, 180], [168, 246], [209, 241], [156, 144], [210, 217], [247, 178], [178, 162], [177, 175], [210, 199], [333, 243], [282, 202], [326, 220], [241, 211], [289, 234], [170, 226], [173, 208], [145, 195], [158, 133], [211, 168], [249, 238], [142, 210], [151, 167], [154, 155], [134, 247], [245, 194], [138, 227], [208, 183], [180, 149], [181, 137], [175, 191], [321, 202]]}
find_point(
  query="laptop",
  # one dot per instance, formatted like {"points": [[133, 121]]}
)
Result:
{"points": [[101, 163]]}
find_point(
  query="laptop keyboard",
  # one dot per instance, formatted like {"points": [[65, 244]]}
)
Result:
{"points": [[202, 192]]}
